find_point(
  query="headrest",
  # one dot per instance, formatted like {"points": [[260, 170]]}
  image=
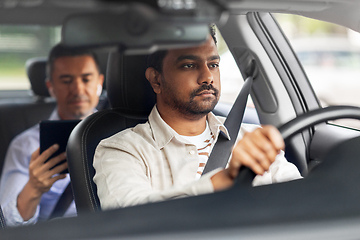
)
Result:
{"points": [[36, 71], [127, 87]]}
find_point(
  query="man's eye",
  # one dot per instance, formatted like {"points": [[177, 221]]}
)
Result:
{"points": [[66, 81], [189, 65], [214, 65], [86, 80]]}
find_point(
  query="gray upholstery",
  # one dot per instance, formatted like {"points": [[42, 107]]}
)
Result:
{"points": [[36, 72]]}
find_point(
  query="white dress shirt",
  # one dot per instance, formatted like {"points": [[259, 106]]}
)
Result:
{"points": [[151, 162]]}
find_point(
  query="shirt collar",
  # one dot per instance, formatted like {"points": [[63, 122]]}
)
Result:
{"points": [[163, 133], [216, 126], [55, 115]]}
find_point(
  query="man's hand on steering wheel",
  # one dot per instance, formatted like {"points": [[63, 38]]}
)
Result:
{"points": [[257, 150]]}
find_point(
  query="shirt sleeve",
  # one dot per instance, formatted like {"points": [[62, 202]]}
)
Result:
{"points": [[279, 171], [14, 177], [122, 180]]}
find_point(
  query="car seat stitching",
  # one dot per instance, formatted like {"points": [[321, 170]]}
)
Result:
{"points": [[86, 169]]}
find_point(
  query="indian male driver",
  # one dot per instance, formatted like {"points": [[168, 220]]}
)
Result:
{"points": [[164, 158], [29, 189]]}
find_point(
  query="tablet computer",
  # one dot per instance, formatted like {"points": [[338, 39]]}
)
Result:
{"points": [[57, 131]]}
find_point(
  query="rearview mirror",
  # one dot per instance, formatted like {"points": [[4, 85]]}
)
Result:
{"points": [[137, 28]]}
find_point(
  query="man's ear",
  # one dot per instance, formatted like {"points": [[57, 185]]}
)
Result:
{"points": [[153, 76], [50, 88], [100, 85], [101, 79]]}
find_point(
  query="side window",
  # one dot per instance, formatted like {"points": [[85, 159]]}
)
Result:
{"points": [[330, 56], [232, 82], [231, 78], [19, 43]]}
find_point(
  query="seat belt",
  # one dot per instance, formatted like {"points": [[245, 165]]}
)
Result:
{"points": [[63, 203], [2, 219], [220, 154]]}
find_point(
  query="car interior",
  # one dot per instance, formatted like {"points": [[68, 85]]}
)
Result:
{"points": [[131, 99], [326, 154]]}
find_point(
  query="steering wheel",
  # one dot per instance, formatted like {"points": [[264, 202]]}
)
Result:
{"points": [[300, 123]]}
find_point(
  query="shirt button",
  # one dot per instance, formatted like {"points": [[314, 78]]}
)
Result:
{"points": [[192, 152]]}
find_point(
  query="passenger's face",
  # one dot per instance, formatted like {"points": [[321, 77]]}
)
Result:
{"points": [[190, 80], [74, 83]]}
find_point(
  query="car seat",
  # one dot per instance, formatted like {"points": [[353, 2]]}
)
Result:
{"points": [[36, 72], [131, 100]]}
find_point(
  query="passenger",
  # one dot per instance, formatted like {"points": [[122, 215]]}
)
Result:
{"points": [[164, 158], [29, 190]]}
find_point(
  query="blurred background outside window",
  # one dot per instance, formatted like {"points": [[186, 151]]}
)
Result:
{"points": [[330, 55], [19, 43]]}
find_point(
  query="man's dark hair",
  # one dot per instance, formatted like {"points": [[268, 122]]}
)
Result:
{"points": [[155, 60], [61, 51]]}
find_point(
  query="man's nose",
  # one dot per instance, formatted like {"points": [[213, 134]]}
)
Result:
{"points": [[206, 76], [77, 86]]}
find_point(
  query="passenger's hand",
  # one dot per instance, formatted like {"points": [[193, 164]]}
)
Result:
{"points": [[257, 151], [42, 175]]}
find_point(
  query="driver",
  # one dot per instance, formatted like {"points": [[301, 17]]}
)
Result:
{"points": [[164, 158]]}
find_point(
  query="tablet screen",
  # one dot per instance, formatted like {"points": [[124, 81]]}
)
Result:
{"points": [[57, 131]]}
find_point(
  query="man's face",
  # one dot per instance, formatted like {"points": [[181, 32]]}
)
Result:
{"points": [[74, 83], [190, 80]]}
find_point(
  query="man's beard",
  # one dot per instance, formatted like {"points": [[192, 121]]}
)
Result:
{"points": [[80, 112], [192, 108]]}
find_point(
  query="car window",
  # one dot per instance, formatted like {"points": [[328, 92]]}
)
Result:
{"points": [[231, 84], [19, 43], [330, 56], [231, 78]]}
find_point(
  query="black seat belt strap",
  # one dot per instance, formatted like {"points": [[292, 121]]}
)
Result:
{"points": [[222, 148], [63, 203], [2, 219]]}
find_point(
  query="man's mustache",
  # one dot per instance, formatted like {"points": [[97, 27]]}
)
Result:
{"points": [[79, 98], [205, 87]]}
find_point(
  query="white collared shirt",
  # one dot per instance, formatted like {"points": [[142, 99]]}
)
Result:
{"points": [[152, 162]]}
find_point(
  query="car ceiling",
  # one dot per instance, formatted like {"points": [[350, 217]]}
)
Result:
{"points": [[46, 12], [53, 12]]}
